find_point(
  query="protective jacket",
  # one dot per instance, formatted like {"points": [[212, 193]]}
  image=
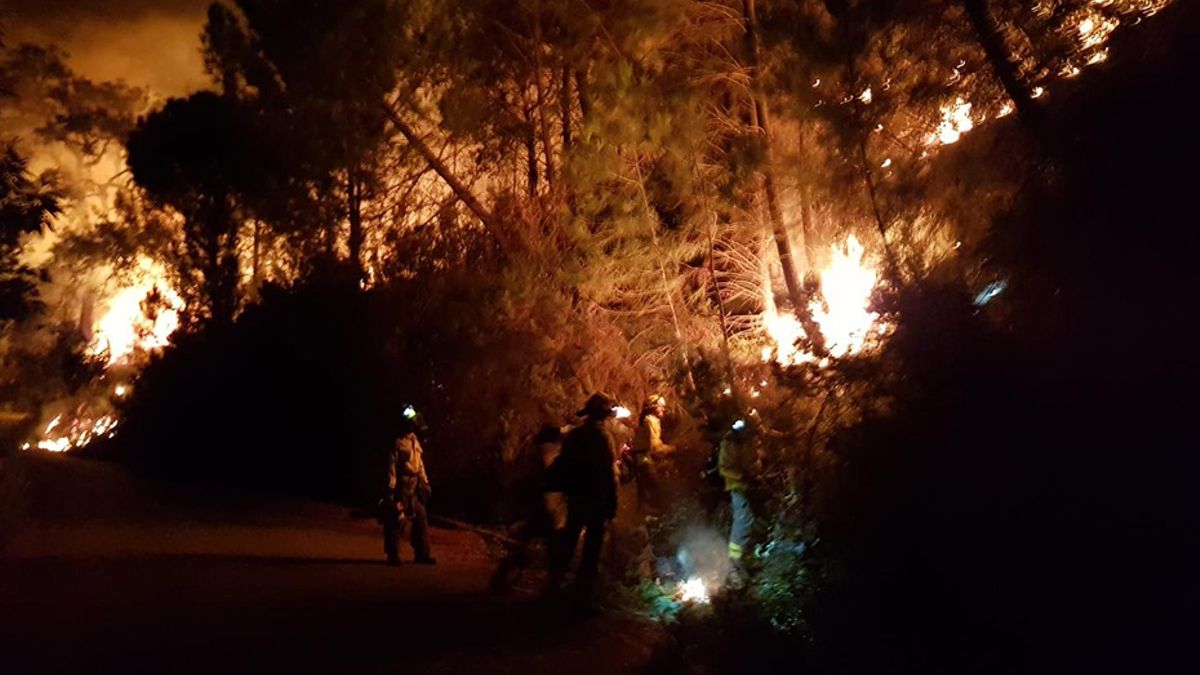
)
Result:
{"points": [[406, 468], [647, 440], [586, 472], [408, 490], [737, 462]]}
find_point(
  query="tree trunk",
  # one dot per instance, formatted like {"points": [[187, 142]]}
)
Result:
{"points": [[354, 209], [87, 316], [992, 41], [807, 226], [331, 228], [214, 234], [880, 224], [565, 100], [544, 128], [255, 256], [722, 315], [796, 292], [531, 157], [581, 88], [456, 186], [540, 84]]}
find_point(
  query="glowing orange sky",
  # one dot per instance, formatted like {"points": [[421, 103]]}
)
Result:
{"points": [[148, 43]]}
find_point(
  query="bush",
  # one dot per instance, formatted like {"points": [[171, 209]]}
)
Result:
{"points": [[14, 496], [302, 393]]}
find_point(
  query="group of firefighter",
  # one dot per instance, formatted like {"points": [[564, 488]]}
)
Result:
{"points": [[575, 491]]}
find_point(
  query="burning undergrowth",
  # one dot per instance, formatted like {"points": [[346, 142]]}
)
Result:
{"points": [[121, 332]]}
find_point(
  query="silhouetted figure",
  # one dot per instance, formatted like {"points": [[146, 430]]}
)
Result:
{"points": [[543, 513], [586, 473], [408, 493]]}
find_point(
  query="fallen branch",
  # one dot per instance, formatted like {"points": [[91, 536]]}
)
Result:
{"points": [[457, 186]]}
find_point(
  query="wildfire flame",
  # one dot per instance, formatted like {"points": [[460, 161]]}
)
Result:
{"points": [[1095, 29], [842, 311], [956, 121], [693, 590], [846, 285], [125, 328], [1091, 29], [76, 434]]}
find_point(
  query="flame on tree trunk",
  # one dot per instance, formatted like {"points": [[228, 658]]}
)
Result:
{"points": [[796, 292]]}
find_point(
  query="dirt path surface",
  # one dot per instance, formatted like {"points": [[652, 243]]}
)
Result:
{"points": [[112, 574]]}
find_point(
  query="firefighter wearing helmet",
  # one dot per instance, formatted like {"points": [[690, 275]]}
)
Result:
{"points": [[650, 455], [408, 491], [739, 464], [586, 472]]}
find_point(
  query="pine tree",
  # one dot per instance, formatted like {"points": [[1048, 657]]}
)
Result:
{"points": [[27, 205]]}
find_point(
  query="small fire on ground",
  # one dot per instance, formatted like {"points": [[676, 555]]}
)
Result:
{"points": [[60, 436], [693, 590]]}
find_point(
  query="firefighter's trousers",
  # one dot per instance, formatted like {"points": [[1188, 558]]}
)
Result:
{"points": [[394, 527], [743, 525], [593, 529]]}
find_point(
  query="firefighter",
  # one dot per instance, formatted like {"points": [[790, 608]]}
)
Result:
{"points": [[649, 453], [738, 463], [544, 513], [408, 493], [586, 472]]}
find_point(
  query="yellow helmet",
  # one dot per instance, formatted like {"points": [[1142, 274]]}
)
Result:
{"points": [[655, 401]]}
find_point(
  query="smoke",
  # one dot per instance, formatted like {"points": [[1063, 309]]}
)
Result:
{"points": [[703, 553], [153, 44]]}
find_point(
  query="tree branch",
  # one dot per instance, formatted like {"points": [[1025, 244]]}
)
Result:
{"points": [[461, 191]]}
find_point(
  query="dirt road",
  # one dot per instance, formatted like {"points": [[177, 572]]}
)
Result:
{"points": [[112, 574]]}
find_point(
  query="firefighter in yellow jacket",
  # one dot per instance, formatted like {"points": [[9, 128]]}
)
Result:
{"points": [[650, 455], [739, 464], [408, 493]]}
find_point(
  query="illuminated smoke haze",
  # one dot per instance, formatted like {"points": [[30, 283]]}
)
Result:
{"points": [[154, 44]]}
